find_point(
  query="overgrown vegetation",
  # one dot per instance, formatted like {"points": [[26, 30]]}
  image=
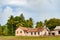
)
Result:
{"points": [[14, 22]]}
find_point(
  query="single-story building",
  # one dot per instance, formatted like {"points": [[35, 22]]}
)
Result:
{"points": [[23, 31], [56, 31]]}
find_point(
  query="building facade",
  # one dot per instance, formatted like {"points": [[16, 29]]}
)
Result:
{"points": [[23, 31]]}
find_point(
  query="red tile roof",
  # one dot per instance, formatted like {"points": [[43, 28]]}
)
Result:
{"points": [[31, 29]]}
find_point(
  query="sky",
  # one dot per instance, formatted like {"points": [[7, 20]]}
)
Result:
{"points": [[39, 10]]}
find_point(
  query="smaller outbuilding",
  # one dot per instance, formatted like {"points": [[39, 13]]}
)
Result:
{"points": [[56, 31]]}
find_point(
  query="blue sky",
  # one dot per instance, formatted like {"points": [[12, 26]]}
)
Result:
{"points": [[39, 10]]}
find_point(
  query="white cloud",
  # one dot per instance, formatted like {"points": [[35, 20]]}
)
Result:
{"points": [[13, 2], [17, 2], [4, 15], [38, 9], [8, 11]]}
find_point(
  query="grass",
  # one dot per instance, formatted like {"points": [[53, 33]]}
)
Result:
{"points": [[29, 38]]}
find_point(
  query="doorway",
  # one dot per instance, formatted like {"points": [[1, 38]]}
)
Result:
{"points": [[53, 33]]}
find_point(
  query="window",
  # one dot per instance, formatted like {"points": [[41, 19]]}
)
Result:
{"points": [[20, 31], [59, 32], [35, 33], [17, 32], [45, 33], [53, 33], [38, 33], [49, 33], [31, 33]]}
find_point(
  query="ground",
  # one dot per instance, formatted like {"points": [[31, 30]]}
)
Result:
{"points": [[29, 38]]}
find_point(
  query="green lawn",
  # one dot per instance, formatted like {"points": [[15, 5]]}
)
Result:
{"points": [[29, 38]]}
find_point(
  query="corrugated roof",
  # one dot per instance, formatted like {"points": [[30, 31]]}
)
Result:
{"points": [[57, 28]]}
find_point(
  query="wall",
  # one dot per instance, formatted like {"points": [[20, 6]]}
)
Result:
{"points": [[19, 34], [41, 33]]}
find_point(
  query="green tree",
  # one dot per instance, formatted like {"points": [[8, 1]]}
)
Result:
{"points": [[5, 31], [39, 24], [19, 24], [45, 21], [1, 30], [13, 21], [29, 23], [22, 17], [10, 25], [52, 23]]}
